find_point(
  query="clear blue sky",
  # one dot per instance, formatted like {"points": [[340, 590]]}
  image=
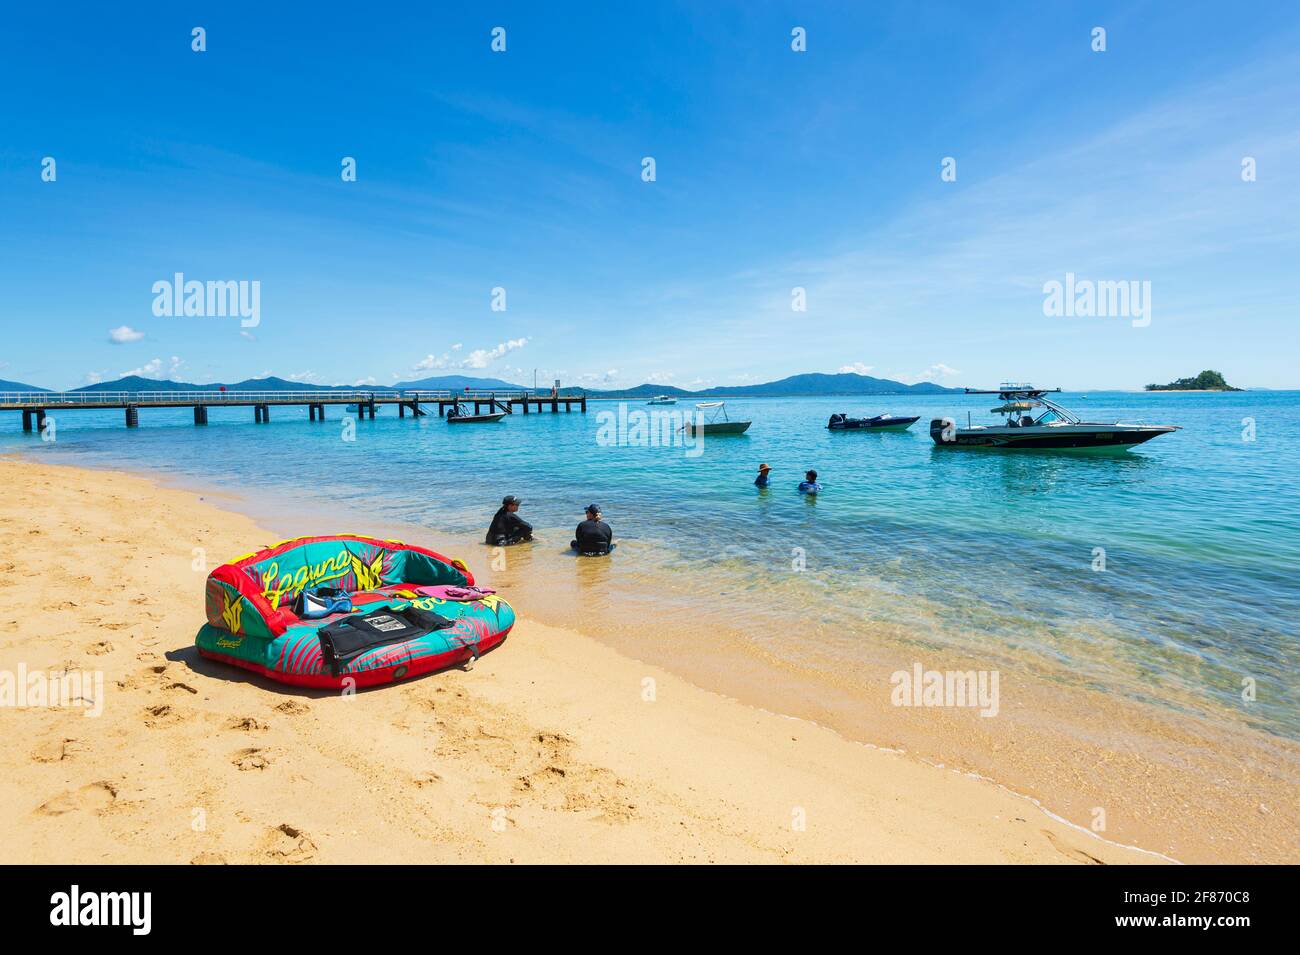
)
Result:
{"points": [[775, 169]]}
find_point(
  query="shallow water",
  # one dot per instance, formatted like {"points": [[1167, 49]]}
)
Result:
{"points": [[993, 555]]}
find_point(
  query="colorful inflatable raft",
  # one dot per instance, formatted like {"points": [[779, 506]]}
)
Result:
{"points": [[252, 622]]}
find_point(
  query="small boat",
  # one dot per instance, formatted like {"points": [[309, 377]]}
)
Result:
{"points": [[457, 415], [662, 400], [353, 409], [1054, 428], [881, 422], [715, 420]]}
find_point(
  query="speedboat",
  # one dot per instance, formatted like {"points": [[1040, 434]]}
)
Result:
{"points": [[662, 400], [714, 420], [1034, 422], [458, 415], [881, 422]]}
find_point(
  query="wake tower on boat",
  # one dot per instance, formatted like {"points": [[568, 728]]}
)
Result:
{"points": [[1035, 422]]}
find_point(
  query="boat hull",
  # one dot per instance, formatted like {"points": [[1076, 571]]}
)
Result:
{"points": [[476, 418], [873, 424], [1082, 439], [719, 427]]}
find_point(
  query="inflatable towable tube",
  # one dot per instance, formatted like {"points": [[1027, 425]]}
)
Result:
{"points": [[252, 623]]}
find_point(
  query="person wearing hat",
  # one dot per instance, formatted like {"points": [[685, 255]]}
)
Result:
{"points": [[761, 480], [507, 526], [593, 535]]}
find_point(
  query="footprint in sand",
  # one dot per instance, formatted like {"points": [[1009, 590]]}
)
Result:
{"points": [[252, 758], [293, 708], [94, 798], [247, 724], [1071, 853], [57, 750], [209, 858], [163, 715], [285, 843], [101, 648], [181, 686], [559, 781], [429, 778]]}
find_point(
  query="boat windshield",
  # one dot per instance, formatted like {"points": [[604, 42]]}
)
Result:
{"points": [[1048, 416]]}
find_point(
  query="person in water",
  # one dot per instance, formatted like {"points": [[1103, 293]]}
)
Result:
{"points": [[507, 526], [809, 484], [593, 535], [761, 480]]}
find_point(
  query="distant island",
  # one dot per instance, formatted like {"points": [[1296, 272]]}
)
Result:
{"points": [[1205, 381], [796, 386]]}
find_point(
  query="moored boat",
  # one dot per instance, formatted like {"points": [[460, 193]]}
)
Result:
{"points": [[1034, 422], [881, 422], [715, 421], [458, 415], [662, 400]]}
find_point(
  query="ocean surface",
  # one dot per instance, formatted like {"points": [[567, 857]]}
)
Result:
{"points": [[1167, 575]]}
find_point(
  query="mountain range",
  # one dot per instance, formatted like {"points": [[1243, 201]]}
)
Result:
{"points": [[808, 385]]}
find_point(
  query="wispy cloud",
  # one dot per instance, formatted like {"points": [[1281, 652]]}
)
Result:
{"points": [[478, 358], [158, 368]]}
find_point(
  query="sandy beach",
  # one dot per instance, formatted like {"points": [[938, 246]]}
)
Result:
{"points": [[553, 748]]}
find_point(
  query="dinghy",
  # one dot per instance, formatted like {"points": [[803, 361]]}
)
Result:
{"points": [[714, 420]]}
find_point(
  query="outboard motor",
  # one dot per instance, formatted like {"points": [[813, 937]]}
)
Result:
{"points": [[943, 430]]}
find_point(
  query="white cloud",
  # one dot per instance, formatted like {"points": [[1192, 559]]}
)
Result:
{"points": [[429, 363], [481, 358], [245, 333], [934, 373], [598, 377], [306, 377], [857, 368], [154, 369], [94, 377], [478, 358], [363, 381], [124, 334]]}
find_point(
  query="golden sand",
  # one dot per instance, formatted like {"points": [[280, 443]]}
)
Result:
{"points": [[553, 748]]}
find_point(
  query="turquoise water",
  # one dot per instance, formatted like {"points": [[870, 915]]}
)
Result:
{"points": [[988, 552]]}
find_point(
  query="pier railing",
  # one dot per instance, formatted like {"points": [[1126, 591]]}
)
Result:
{"points": [[117, 399]]}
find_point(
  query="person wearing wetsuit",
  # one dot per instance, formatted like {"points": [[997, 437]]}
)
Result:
{"points": [[593, 535], [507, 526]]}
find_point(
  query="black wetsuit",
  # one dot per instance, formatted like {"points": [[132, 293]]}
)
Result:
{"points": [[508, 527], [593, 537]]}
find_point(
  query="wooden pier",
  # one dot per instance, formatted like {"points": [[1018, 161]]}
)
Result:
{"points": [[35, 405]]}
